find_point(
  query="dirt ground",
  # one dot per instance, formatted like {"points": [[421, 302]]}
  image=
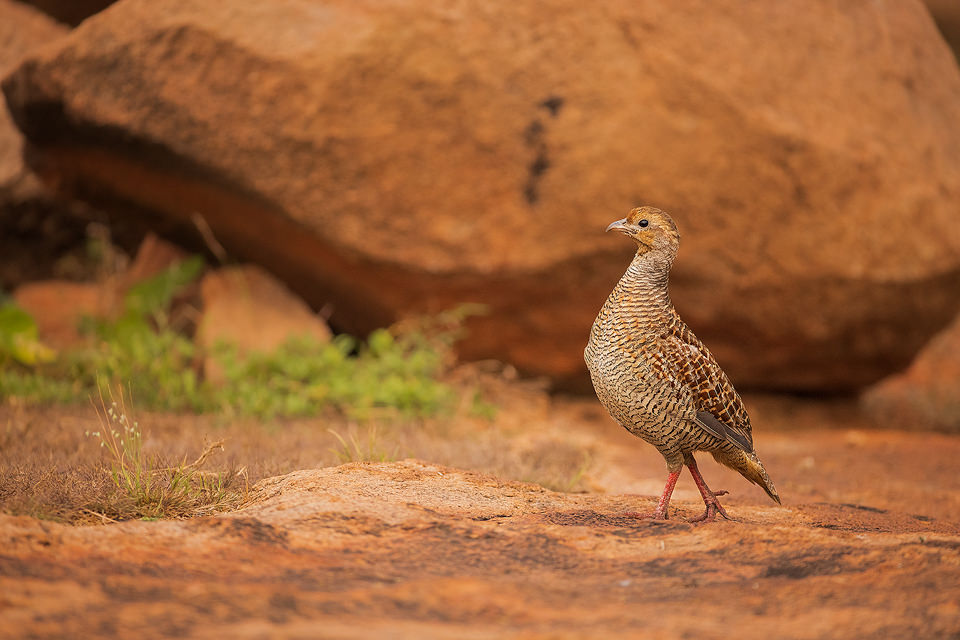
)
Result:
{"points": [[867, 543]]}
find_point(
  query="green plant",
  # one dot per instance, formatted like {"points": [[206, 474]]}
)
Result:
{"points": [[37, 386], [156, 365], [141, 349], [398, 371], [18, 337], [151, 298], [303, 376]]}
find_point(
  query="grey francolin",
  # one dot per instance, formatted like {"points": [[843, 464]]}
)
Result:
{"points": [[657, 379]]}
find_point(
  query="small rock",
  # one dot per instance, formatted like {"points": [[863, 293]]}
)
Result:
{"points": [[57, 306], [248, 307], [154, 256], [927, 394]]}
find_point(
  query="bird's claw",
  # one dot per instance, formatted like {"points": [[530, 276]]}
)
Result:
{"points": [[710, 513]]}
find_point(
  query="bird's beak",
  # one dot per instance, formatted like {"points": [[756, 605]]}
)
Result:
{"points": [[620, 225]]}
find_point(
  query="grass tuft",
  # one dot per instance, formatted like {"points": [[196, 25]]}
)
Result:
{"points": [[146, 487], [352, 449]]}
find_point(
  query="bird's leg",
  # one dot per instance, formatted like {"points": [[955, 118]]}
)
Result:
{"points": [[661, 512], [709, 497]]}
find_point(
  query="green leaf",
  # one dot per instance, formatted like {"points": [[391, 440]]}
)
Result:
{"points": [[153, 295], [380, 342], [16, 321], [18, 337]]}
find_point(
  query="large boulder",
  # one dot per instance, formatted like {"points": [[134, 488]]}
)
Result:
{"points": [[391, 158]]}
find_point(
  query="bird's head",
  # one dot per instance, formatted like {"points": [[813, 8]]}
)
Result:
{"points": [[652, 230]]}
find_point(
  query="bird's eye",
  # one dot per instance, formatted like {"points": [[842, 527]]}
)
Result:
{"points": [[643, 223]]}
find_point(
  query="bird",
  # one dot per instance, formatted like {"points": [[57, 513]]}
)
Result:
{"points": [[658, 380]]}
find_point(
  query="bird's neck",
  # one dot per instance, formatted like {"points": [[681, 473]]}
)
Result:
{"points": [[642, 292]]}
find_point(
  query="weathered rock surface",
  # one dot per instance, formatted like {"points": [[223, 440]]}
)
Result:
{"points": [[415, 550], [407, 157], [927, 394]]}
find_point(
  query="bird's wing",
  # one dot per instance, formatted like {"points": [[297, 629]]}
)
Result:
{"points": [[720, 410]]}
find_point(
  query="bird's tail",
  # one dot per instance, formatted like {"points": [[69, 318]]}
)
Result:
{"points": [[750, 467]]}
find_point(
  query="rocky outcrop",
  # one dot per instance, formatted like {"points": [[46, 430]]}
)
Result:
{"points": [[403, 158], [410, 549], [927, 394]]}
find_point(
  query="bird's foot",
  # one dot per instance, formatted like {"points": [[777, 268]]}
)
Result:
{"points": [[660, 513], [713, 508]]}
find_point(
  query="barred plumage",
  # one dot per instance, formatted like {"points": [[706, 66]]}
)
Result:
{"points": [[657, 379]]}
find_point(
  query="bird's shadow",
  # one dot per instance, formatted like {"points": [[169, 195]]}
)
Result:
{"points": [[614, 520]]}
